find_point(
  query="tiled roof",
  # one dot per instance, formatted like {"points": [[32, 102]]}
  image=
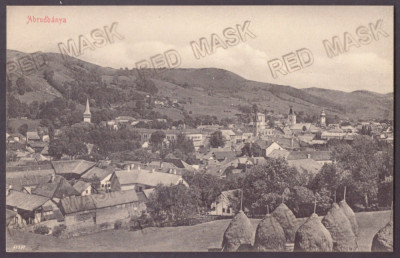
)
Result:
{"points": [[77, 203], [148, 192], [225, 154], [25, 201], [27, 180], [114, 198], [309, 165], [59, 188], [81, 186], [32, 135], [98, 172], [279, 154], [96, 201], [146, 177], [72, 166], [315, 155]]}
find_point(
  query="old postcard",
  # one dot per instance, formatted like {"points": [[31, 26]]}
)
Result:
{"points": [[199, 128]]}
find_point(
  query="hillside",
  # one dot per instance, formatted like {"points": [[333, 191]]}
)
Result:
{"points": [[206, 91]]}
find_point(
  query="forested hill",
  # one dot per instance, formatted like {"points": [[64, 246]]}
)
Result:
{"points": [[199, 91]]}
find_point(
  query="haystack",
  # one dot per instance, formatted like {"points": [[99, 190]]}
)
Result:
{"points": [[339, 226], [383, 240], [312, 236], [287, 220], [239, 232], [269, 235], [350, 215]]}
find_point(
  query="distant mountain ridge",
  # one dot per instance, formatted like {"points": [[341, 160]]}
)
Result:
{"points": [[218, 91]]}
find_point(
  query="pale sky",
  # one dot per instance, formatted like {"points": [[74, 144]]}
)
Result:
{"points": [[279, 30]]}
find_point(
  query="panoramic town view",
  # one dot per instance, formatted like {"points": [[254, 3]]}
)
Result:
{"points": [[132, 129]]}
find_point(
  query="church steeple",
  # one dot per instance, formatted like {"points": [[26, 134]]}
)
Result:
{"points": [[87, 115], [323, 118]]}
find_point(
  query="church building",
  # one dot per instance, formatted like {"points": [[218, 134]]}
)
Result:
{"points": [[323, 119], [291, 117]]}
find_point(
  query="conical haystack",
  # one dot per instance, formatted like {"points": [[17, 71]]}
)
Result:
{"points": [[350, 215], [312, 236], [383, 240], [339, 226], [287, 220], [239, 232], [269, 235]]}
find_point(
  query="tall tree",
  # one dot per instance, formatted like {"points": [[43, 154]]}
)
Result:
{"points": [[217, 139]]}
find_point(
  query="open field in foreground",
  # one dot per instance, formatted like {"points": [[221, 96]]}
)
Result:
{"points": [[171, 239]]}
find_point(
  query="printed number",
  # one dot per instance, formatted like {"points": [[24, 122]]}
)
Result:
{"points": [[19, 247]]}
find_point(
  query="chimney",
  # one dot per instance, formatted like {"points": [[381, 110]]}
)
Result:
{"points": [[308, 156], [138, 167], [292, 142], [132, 166], [170, 171], [52, 178], [174, 171], [128, 167], [161, 164]]}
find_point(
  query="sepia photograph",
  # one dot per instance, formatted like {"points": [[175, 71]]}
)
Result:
{"points": [[199, 128]]}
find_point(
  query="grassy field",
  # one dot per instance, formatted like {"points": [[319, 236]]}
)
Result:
{"points": [[171, 239]]}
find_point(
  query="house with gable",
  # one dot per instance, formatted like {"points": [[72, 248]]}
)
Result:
{"points": [[140, 179]]}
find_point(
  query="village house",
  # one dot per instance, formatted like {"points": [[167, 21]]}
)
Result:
{"points": [[275, 154], [225, 202], [55, 189], [269, 146], [29, 207], [139, 179], [100, 174], [100, 209], [83, 188]]}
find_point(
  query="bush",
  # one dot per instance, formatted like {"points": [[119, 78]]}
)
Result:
{"points": [[57, 230], [43, 230], [118, 224]]}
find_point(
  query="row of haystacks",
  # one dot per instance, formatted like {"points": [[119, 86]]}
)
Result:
{"points": [[271, 235], [337, 231]]}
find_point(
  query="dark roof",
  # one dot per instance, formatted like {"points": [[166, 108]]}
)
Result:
{"points": [[98, 172], [72, 166], [81, 186], [58, 215], [25, 201], [29, 168], [74, 204], [114, 198], [142, 197], [264, 144], [10, 214], [96, 201], [27, 180], [59, 188], [219, 155], [38, 144], [315, 155]]}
